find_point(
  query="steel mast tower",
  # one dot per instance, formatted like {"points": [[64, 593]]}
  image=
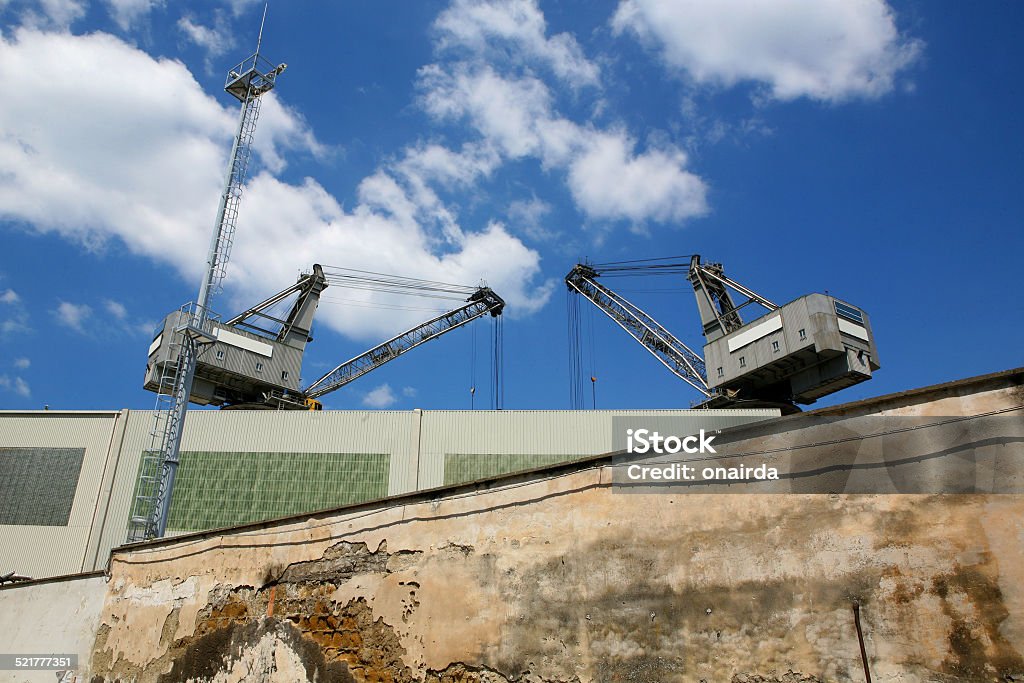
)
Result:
{"points": [[247, 82]]}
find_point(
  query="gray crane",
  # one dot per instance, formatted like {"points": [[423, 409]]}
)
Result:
{"points": [[255, 358], [796, 353]]}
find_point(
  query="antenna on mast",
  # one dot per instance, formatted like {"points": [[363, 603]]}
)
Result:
{"points": [[259, 39]]}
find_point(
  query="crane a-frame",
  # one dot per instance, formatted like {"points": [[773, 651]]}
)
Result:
{"points": [[796, 353]]}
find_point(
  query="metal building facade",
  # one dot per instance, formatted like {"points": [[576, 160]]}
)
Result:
{"points": [[240, 466], [51, 549]]}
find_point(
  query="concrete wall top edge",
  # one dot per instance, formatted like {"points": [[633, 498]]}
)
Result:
{"points": [[33, 413], [246, 413]]}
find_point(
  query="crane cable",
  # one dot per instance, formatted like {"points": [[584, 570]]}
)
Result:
{"points": [[581, 332], [593, 357], [371, 281], [472, 371], [575, 351], [366, 280], [497, 360]]}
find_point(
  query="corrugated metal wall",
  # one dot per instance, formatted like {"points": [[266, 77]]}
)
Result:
{"points": [[569, 433], [37, 550], [415, 443]]}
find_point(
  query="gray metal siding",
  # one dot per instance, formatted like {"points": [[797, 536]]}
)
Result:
{"points": [[39, 550], [795, 317], [240, 361], [572, 434]]}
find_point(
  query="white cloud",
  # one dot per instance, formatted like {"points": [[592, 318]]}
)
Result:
{"points": [[381, 397], [409, 392], [608, 180], [528, 216], [606, 176], [126, 13], [239, 7], [100, 175], [16, 384], [73, 315], [214, 39], [507, 112], [380, 234], [16, 323], [115, 309], [58, 14], [435, 163], [518, 26], [22, 363], [16, 318], [829, 50]]}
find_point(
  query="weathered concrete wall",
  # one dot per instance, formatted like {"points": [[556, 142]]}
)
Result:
{"points": [[558, 576], [563, 580], [54, 617]]}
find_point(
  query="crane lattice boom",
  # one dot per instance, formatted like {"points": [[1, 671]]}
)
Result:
{"points": [[480, 303], [672, 353]]}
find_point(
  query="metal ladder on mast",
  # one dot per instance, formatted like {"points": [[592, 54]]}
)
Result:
{"points": [[148, 519]]}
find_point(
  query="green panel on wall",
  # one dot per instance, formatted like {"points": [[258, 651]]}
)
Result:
{"points": [[37, 485], [216, 489], [461, 467]]}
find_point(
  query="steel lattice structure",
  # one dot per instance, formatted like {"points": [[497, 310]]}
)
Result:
{"points": [[247, 82]]}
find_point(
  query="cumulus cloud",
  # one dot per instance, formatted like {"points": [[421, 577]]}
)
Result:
{"points": [[610, 181], [529, 216], [116, 309], [381, 397], [215, 40], [518, 29], [607, 177], [22, 363], [381, 234], [13, 316], [73, 315], [59, 14], [99, 175], [127, 13], [829, 50], [16, 384]]}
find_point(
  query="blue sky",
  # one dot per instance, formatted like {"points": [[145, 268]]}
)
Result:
{"points": [[871, 150]]}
